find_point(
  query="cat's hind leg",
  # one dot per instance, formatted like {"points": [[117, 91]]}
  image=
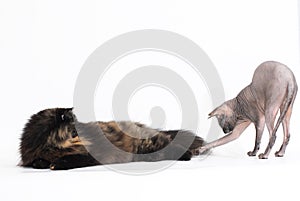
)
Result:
{"points": [[286, 132]]}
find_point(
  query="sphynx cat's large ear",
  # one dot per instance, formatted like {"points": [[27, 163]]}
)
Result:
{"points": [[215, 112]]}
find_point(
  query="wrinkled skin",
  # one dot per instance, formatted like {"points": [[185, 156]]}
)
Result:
{"points": [[273, 88]]}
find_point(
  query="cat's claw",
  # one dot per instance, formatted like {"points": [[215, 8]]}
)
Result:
{"points": [[52, 167]]}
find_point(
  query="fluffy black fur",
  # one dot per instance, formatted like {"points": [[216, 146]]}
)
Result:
{"points": [[54, 139]]}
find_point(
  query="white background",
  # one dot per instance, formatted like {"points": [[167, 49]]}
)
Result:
{"points": [[43, 45]]}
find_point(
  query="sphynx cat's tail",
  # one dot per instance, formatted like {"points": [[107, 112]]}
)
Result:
{"points": [[290, 97]]}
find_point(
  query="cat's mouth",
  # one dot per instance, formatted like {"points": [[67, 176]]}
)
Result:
{"points": [[80, 141], [227, 130], [76, 141]]}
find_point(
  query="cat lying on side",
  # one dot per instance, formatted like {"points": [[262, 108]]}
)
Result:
{"points": [[53, 138]]}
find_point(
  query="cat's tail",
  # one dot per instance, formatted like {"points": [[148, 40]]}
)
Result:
{"points": [[290, 98]]}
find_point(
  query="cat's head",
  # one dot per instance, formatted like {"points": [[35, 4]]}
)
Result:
{"points": [[48, 130], [226, 117]]}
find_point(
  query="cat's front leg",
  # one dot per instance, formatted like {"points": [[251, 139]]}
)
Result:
{"points": [[73, 161], [40, 163]]}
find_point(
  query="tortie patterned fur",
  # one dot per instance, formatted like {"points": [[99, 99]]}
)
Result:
{"points": [[54, 139]]}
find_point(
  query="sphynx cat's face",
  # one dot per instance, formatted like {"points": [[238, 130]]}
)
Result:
{"points": [[226, 118]]}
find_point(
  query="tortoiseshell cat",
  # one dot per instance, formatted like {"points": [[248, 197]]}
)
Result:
{"points": [[54, 139]]}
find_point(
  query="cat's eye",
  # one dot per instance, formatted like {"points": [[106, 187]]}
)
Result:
{"points": [[66, 117]]}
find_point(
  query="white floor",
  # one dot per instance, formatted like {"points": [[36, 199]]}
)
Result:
{"points": [[224, 175]]}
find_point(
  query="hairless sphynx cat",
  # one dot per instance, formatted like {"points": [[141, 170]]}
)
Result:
{"points": [[273, 88]]}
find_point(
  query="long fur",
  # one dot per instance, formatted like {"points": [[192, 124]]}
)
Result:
{"points": [[54, 139]]}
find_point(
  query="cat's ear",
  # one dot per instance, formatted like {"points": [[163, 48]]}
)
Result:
{"points": [[69, 109], [216, 112], [66, 114]]}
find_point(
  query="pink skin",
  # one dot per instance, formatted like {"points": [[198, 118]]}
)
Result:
{"points": [[237, 131], [273, 88]]}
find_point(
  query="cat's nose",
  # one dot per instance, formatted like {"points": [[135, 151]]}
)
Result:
{"points": [[74, 134], [226, 130]]}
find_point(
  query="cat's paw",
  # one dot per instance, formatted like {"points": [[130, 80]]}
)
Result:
{"points": [[262, 156], [186, 156], [73, 161], [203, 150], [279, 154], [40, 164], [59, 164], [251, 153], [196, 152]]}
